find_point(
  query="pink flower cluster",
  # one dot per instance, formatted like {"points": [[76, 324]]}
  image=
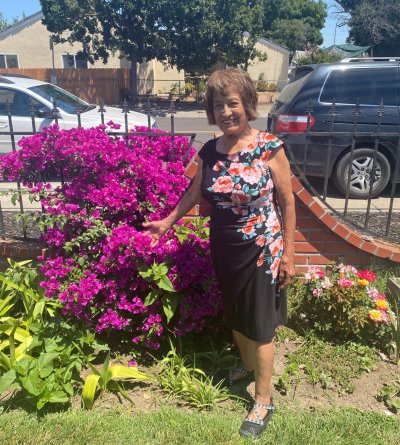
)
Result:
{"points": [[93, 228], [344, 277]]}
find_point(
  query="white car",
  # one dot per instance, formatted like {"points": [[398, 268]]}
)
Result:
{"points": [[21, 91]]}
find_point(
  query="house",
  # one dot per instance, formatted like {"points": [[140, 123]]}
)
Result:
{"points": [[275, 69], [27, 44]]}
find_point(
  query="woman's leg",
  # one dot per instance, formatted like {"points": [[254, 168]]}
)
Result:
{"points": [[260, 358], [246, 350]]}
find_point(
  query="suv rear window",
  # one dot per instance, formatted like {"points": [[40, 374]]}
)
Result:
{"points": [[368, 85], [291, 89]]}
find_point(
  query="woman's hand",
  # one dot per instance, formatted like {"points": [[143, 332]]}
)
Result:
{"points": [[286, 270], [156, 230]]}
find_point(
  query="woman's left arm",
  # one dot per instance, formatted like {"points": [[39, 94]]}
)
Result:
{"points": [[281, 176]]}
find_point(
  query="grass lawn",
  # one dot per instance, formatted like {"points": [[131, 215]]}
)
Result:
{"points": [[172, 426]]}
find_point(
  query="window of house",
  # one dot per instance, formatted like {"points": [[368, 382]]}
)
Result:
{"points": [[9, 61], [74, 61]]}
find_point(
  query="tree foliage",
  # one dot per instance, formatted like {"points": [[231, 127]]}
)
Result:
{"points": [[192, 35], [375, 23], [3, 22], [294, 23]]}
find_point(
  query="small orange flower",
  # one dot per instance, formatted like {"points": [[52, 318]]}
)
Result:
{"points": [[362, 282], [375, 315], [382, 305]]}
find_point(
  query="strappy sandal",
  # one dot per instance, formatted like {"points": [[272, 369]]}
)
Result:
{"points": [[255, 427], [239, 374]]}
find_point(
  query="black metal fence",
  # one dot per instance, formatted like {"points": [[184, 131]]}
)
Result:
{"points": [[13, 224], [376, 215]]}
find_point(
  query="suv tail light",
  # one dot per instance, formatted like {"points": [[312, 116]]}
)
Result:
{"points": [[288, 123]]}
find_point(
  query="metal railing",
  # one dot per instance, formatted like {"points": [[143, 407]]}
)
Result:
{"points": [[374, 216], [18, 193]]}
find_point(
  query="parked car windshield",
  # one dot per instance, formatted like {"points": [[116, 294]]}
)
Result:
{"points": [[64, 100]]}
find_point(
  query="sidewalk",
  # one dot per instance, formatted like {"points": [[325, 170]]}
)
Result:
{"points": [[182, 109]]}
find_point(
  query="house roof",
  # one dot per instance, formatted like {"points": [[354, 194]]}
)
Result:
{"points": [[21, 25], [273, 45]]}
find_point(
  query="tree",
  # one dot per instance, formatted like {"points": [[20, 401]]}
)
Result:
{"points": [[190, 34], [130, 27], [3, 22], [294, 23], [204, 32], [375, 23]]}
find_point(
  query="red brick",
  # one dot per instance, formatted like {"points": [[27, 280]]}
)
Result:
{"points": [[339, 248], [316, 209], [322, 259], [299, 236], [328, 220], [307, 223], [304, 196], [383, 253], [341, 230], [191, 170], [301, 259], [360, 260], [395, 257], [305, 247], [296, 185], [369, 247], [354, 239], [194, 211], [302, 212], [301, 270], [323, 235]]}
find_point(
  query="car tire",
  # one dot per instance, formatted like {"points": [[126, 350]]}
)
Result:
{"points": [[361, 170]]}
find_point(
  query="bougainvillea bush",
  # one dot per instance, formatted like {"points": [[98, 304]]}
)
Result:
{"points": [[101, 266], [342, 303]]}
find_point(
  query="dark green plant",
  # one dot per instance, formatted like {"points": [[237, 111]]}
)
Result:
{"points": [[41, 354]]}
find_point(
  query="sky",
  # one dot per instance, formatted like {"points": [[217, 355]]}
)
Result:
{"points": [[16, 8]]}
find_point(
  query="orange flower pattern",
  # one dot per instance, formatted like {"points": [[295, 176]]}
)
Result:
{"points": [[242, 184]]}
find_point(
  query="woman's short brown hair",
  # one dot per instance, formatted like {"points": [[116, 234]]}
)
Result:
{"points": [[231, 79]]}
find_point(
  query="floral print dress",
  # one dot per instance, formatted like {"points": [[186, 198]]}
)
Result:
{"points": [[246, 235]]}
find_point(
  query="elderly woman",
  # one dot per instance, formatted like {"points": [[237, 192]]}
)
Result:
{"points": [[245, 175]]}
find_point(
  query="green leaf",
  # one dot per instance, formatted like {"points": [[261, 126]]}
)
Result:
{"points": [[170, 304], [45, 363], [32, 383], [152, 297], [165, 283], [89, 390], [58, 397], [7, 380], [38, 310]]}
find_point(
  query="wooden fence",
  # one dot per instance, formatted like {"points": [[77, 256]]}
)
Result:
{"points": [[93, 85]]}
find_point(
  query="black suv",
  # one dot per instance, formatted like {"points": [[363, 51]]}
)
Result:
{"points": [[305, 106]]}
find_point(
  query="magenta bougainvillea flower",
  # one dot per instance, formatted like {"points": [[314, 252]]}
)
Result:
{"points": [[101, 266]]}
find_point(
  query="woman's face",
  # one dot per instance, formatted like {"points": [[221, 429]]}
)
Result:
{"points": [[229, 113]]}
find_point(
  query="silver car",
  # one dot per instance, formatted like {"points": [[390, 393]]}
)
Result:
{"points": [[22, 92]]}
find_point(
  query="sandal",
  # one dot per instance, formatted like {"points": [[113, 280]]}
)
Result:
{"points": [[255, 427], [239, 375]]}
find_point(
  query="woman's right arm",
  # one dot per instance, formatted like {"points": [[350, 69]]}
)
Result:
{"points": [[157, 228]]}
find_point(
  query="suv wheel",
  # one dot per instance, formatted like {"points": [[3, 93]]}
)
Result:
{"points": [[361, 171]]}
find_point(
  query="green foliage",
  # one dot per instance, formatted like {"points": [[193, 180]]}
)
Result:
{"points": [[106, 379], [389, 394], [331, 367], [181, 378], [374, 23], [317, 55], [294, 24], [40, 354]]}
